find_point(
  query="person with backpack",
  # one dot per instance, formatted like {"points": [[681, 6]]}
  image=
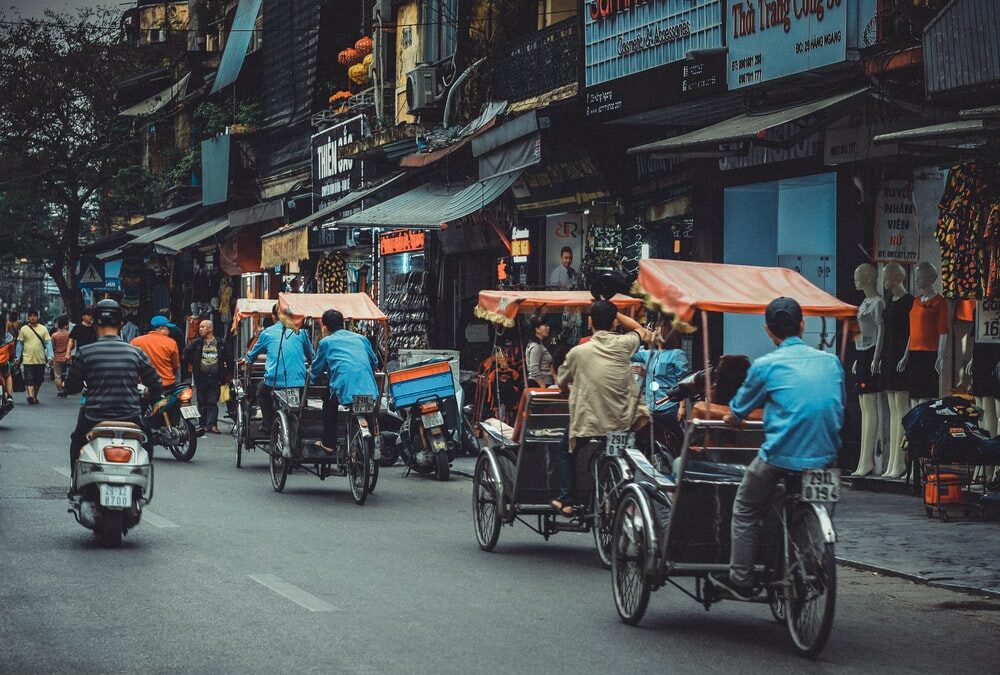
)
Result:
{"points": [[34, 352]]}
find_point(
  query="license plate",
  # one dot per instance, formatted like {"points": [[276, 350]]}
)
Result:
{"points": [[822, 485], [289, 396], [432, 419], [616, 443], [363, 404], [117, 496], [189, 412]]}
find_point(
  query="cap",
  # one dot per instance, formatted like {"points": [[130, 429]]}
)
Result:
{"points": [[160, 322], [782, 312]]}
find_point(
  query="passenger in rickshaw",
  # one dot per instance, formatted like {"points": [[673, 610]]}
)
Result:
{"points": [[537, 357], [349, 361], [287, 353], [603, 395], [802, 392], [663, 365]]}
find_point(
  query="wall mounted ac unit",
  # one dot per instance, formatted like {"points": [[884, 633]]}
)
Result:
{"points": [[421, 88]]}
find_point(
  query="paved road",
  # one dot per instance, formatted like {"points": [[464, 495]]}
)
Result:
{"points": [[230, 577]]}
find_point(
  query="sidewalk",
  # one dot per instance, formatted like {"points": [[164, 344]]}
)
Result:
{"points": [[891, 534]]}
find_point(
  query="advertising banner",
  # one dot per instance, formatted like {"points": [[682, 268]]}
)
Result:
{"points": [[897, 236], [563, 250]]}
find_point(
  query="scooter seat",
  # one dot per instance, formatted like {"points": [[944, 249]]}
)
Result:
{"points": [[117, 430]]}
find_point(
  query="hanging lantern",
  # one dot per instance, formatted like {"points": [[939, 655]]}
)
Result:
{"points": [[340, 96], [364, 46], [368, 60], [349, 57], [358, 73]]}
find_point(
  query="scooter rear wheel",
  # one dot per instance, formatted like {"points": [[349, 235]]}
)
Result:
{"points": [[112, 528], [185, 451]]}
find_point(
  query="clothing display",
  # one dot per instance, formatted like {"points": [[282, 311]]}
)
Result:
{"points": [[870, 312], [408, 309], [865, 381], [331, 274], [922, 381], [965, 310], [985, 379], [895, 335], [928, 322], [968, 230]]}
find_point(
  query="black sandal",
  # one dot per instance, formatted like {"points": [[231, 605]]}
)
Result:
{"points": [[564, 509]]}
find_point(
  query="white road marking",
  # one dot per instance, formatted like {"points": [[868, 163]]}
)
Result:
{"points": [[154, 519], [294, 593]]}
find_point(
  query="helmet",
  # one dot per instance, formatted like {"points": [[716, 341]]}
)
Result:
{"points": [[108, 313], [609, 284]]}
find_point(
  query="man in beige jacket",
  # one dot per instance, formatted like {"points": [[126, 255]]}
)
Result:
{"points": [[603, 394]]}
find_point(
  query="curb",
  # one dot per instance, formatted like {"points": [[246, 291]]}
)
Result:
{"points": [[959, 588]]}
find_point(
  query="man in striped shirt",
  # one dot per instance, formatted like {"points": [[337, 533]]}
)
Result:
{"points": [[111, 370]]}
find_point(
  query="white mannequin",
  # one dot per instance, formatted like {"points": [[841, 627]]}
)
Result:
{"points": [[866, 280]]}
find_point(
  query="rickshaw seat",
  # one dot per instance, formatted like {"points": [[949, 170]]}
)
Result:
{"points": [[703, 410], [503, 433], [522, 407]]}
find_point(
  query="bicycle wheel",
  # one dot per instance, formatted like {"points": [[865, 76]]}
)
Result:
{"points": [[239, 431], [609, 476], [811, 576], [629, 553], [359, 455], [485, 499], [278, 462]]}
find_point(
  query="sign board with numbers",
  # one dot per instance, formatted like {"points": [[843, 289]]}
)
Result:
{"points": [[988, 321]]}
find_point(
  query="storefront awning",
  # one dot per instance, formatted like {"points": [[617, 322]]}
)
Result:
{"points": [[935, 132], [158, 101], [258, 213], [748, 127], [431, 205], [170, 213], [157, 233], [486, 120], [176, 243], [236, 45]]}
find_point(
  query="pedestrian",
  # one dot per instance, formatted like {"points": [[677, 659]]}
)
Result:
{"points": [[60, 347], [176, 334], [34, 351], [130, 330], [537, 356], [13, 323], [82, 334], [161, 350], [7, 349], [211, 364]]}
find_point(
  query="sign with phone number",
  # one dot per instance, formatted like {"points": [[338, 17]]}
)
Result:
{"points": [[988, 321]]}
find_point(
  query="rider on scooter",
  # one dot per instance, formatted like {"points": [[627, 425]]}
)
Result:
{"points": [[110, 369], [802, 392]]}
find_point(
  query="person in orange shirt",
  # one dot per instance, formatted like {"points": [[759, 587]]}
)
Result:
{"points": [[161, 349]]}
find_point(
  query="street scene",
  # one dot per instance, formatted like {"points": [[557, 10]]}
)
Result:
{"points": [[432, 336]]}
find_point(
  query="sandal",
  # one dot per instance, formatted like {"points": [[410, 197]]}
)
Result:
{"points": [[329, 451], [563, 509]]}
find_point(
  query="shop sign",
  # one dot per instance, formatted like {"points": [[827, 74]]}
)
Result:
{"points": [[769, 39], [988, 321], [401, 241], [333, 175], [850, 139], [284, 248], [520, 249], [635, 53], [897, 236], [760, 155]]}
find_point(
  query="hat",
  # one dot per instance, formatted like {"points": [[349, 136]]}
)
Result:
{"points": [[160, 322], [783, 312]]}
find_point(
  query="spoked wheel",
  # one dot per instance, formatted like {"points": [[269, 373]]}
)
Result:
{"points": [[608, 476], [629, 553], [372, 473], [485, 500], [278, 462], [184, 451], [112, 528], [239, 432], [359, 461], [811, 573]]}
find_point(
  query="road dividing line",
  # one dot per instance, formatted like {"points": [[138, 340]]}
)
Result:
{"points": [[154, 519], [64, 472], [293, 593]]}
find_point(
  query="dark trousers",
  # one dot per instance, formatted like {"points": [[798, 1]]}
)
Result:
{"points": [[754, 496], [208, 402], [330, 413], [83, 426], [266, 403], [567, 466]]}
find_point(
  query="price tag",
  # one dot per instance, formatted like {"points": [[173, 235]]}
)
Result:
{"points": [[988, 321]]}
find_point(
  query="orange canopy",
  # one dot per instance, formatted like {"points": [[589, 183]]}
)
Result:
{"points": [[502, 307], [249, 307], [357, 306], [682, 287]]}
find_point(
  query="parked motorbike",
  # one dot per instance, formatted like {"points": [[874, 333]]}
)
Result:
{"points": [[173, 422], [112, 481], [424, 442]]}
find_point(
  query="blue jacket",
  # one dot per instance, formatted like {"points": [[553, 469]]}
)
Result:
{"points": [[350, 362], [802, 392], [287, 353], [666, 367]]}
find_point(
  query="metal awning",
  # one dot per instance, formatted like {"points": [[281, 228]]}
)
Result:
{"points": [[157, 233], [744, 128], [110, 255], [176, 243], [237, 43], [158, 101], [431, 205], [947, 130], [258, 213], [170, 213]]}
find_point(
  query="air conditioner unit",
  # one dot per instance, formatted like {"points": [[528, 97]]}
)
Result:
{"points": [[421, 88]]}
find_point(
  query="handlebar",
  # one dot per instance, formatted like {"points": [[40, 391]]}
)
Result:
{"points": [[719, 424]]}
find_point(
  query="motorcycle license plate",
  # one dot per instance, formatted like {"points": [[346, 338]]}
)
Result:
{"points": [[189, 412], [289, 396], [821, 485], [363, 404], [616, 443], [432, 419], [117, 496]]}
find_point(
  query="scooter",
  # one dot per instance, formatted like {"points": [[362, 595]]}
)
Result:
{"points": [[172, 422], [424, 442], [112, 481]]}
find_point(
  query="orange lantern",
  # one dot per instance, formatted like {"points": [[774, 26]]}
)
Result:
{"points": [[368, 60], [349, 57], [340, 96], [364, 46]]}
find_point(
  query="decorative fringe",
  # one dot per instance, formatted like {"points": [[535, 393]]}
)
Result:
{"points": [[653, 305], [493, 317]]}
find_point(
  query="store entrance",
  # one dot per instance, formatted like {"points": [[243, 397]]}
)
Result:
{"points": [[785, 223]]}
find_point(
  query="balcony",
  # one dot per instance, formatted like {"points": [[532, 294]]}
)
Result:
{"points": [[537, 64]]}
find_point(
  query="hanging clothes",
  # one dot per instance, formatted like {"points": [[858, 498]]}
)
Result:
{"points": [[969, 239], [331, 274]]}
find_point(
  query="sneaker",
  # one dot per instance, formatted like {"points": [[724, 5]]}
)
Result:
{"points": [[724, 584]]}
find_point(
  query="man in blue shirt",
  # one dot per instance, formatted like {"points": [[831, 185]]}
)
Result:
{"points": [[802, 392], [350, 362], [287, 353]]}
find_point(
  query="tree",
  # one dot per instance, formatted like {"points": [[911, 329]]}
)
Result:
{"points": [[61, 140]]}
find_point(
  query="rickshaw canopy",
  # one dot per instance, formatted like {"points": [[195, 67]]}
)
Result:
{"points": [[682, 287], [357, 306], [246, 307], [502, 307]]}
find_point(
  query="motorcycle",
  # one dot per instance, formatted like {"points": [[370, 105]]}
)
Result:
{"points": [[424, 443], [172, 422], [112, 481]]}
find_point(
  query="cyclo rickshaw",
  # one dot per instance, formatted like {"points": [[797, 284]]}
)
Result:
{"points": [[677, 524], [298, 421], [515, 475], [247, 319]]}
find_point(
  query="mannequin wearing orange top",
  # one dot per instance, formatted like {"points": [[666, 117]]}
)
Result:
{"points": [[866, 367]]}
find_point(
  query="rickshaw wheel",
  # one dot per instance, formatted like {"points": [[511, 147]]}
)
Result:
{"points": [[608, 476], [629, 553], [359, 461], [278, 462], [372, 473], [812, 591], [776, 601], [239, 431], [485, 502]]}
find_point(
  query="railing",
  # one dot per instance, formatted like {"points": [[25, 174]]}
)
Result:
{"points": [[536, 64]]}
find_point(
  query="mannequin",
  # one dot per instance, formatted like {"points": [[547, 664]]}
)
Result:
{"points": [[866, 367], [896, 336], [964, 322], [924, 357], [986, 385]]}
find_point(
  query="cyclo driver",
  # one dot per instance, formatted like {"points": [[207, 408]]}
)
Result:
{"points": [[111, 370], [802, 392]]}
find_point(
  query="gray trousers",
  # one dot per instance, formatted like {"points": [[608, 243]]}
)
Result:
{"points": [[752, 501]]}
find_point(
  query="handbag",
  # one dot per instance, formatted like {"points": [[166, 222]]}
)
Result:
{"points": [[224, 394], [18, 377]]}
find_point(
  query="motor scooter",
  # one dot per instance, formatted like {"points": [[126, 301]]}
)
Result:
{"points": [[424, 442], [173, 422], [112, 481]]}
